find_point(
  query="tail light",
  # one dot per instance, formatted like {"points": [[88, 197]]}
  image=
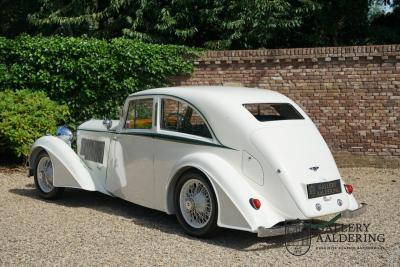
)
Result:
{"points": [[255, 203], [349, 188]]}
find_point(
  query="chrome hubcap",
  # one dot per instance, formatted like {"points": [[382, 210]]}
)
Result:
{"points": [[195, 203], [45, 174], [189, 205]]}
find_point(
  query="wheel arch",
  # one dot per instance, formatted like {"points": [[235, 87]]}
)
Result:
{"points": [[172, 185], [32, 158], [69, 170], [230, 213]]}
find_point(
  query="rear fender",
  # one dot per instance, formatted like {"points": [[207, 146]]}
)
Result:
{"points": [[69, 170], [232, 190]]}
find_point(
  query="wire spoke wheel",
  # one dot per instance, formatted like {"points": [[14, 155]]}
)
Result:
{"points": [[195, 203], [44, 172]]}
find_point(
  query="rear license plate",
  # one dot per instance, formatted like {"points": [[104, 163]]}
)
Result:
{"points": [[324, 189]]}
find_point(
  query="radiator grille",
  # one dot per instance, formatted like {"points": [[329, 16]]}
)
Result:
{"points": [[92, 150]]}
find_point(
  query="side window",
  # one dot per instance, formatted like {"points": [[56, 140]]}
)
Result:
{"points": [[180, 117], [140, 114]]}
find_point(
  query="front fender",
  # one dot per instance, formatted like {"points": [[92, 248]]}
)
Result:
{"points": [[68, 169], [232, 190]]}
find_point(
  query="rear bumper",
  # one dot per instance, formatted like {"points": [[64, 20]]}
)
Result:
{"points": [[354, 213], [281, 229], [273, 231]]}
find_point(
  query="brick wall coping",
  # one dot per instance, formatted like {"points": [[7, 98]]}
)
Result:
{"points": [[326, 53]]}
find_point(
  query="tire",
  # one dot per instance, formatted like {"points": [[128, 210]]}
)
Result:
{"points": [[43, 177], [190, 203]]}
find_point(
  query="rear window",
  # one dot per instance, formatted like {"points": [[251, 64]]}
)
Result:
{"points": [[273, 112]]}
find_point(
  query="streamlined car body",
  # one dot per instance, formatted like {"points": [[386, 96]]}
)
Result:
{"points": [[240, 158]]}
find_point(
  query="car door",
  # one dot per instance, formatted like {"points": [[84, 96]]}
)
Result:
{"points": [[181, 129], [131, 167]]}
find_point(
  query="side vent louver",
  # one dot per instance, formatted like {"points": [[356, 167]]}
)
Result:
{"points": [[92, 150]]}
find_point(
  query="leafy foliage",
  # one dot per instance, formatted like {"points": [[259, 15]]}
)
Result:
{"points": [[75, 17], [334, 22], [215, 24], [92, 77], [24, 117], [385, 26], [13, 16], [211, 23]]}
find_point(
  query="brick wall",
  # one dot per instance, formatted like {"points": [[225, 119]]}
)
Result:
{"points": [[351, 93]]}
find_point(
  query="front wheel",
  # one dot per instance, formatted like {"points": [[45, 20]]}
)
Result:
{"points": [[43, 176], [196, 205]]}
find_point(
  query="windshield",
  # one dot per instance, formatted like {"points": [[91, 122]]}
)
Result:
{"points": [[273, 111]]}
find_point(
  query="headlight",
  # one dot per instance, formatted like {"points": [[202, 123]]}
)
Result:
{"points": [[64, 134]]}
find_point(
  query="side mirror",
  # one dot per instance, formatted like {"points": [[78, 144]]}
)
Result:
{"points": [[107, 123]]}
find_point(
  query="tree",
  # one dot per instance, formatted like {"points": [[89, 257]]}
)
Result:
{"points": [[219, 23], [190, 22], [93, 18], [257, 24], [208, 23], [214, 24], [385, 26], [13, 16], [334, 22]]}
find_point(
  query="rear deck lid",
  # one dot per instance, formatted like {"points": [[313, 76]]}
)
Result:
{"points": [[300, 153]]}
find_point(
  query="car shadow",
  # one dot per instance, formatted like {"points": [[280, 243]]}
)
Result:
{"points": [[234, 239]]}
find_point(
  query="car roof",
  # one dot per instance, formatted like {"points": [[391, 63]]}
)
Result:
{"points": [[222, 107], [200, 94]]}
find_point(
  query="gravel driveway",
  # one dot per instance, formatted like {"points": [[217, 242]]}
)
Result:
{"points": [[87, 228]]}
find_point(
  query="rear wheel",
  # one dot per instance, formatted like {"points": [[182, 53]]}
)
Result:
{"points": [[196, 205], [43, 176]]}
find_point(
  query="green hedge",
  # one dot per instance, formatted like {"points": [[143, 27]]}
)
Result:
{"points": [[92, 77], [26, 116]]}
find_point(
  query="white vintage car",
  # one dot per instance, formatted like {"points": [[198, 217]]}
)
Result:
{"points": [[240, 158]]}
